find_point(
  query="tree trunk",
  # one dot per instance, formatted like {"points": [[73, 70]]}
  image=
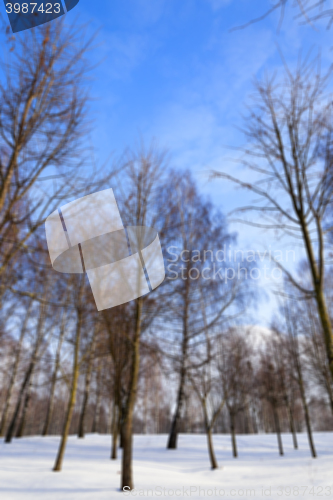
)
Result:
{"points": [[233, 435], [326, 326], [318, 283], [14, 373], [307, 419], [120, 427], [172, 442], [265, 418], [209, 428], [11, 428], [212, 457], [277, 428], [87, 390], [321, 364], [54, 380], [72, 398], [297, 361], [115, 426], [98, 400], [145, 406], [29, 373], [97, 413], [21, 426], [127, 474], [157, 411], [329, 389], [291, 422], [248, 421], [173, 436], [254, 420]]}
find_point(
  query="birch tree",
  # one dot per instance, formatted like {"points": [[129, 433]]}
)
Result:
{"points": [[289, 153]]}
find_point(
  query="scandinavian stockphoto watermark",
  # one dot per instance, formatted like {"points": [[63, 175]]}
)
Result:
{"points": [[227, 264], [25, 15], [188, 491], [299, 491], [87, 236]]}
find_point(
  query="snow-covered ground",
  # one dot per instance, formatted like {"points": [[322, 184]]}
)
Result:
{"points": [[89, 474]]}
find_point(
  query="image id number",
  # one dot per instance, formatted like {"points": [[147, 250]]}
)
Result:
{"points": [[30, 8]]}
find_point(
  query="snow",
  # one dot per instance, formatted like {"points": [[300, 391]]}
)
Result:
{"points": [[88, 473]]}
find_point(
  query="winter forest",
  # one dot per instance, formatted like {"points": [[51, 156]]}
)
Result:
{"points": [[191, 357]]}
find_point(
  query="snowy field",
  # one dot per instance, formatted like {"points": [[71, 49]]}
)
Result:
{"points": [[89, 474]]}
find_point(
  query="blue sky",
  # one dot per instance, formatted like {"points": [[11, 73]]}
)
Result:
{"points": [[171, 70]]}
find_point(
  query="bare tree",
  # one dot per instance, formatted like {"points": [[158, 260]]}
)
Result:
{"points": [[296, 353], [195, 233], [284, 373], [81, 313], [139, 208], [290, 155], [13, 376], [204, 377], [98, 395], [118, 324], [87, 386], [50, 407], [315, 352], [40, 335], [271, 391], [42, 123], [235, 375], [306, 11]]}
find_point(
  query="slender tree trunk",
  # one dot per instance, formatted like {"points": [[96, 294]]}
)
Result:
{"points": [[127, 474], [157, 411], [277, 428], [318, 283], [173, 436], [254, 420], [121, 421], [98, 400], [87, 390], [115, 426], [324, 369], [12, 425], [72, 398], [299, 378], [212, 457], [266, 421], [329, 389], [233, 434], [172, 442], [120, 425], [14, 373], [307, 419], [297, 361], [54, 380], [326, 326], [248, 420], [21, 426], [116, 417], [97, 413], [209, 428], [29, 373], [291, 422], [7, 402]]}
